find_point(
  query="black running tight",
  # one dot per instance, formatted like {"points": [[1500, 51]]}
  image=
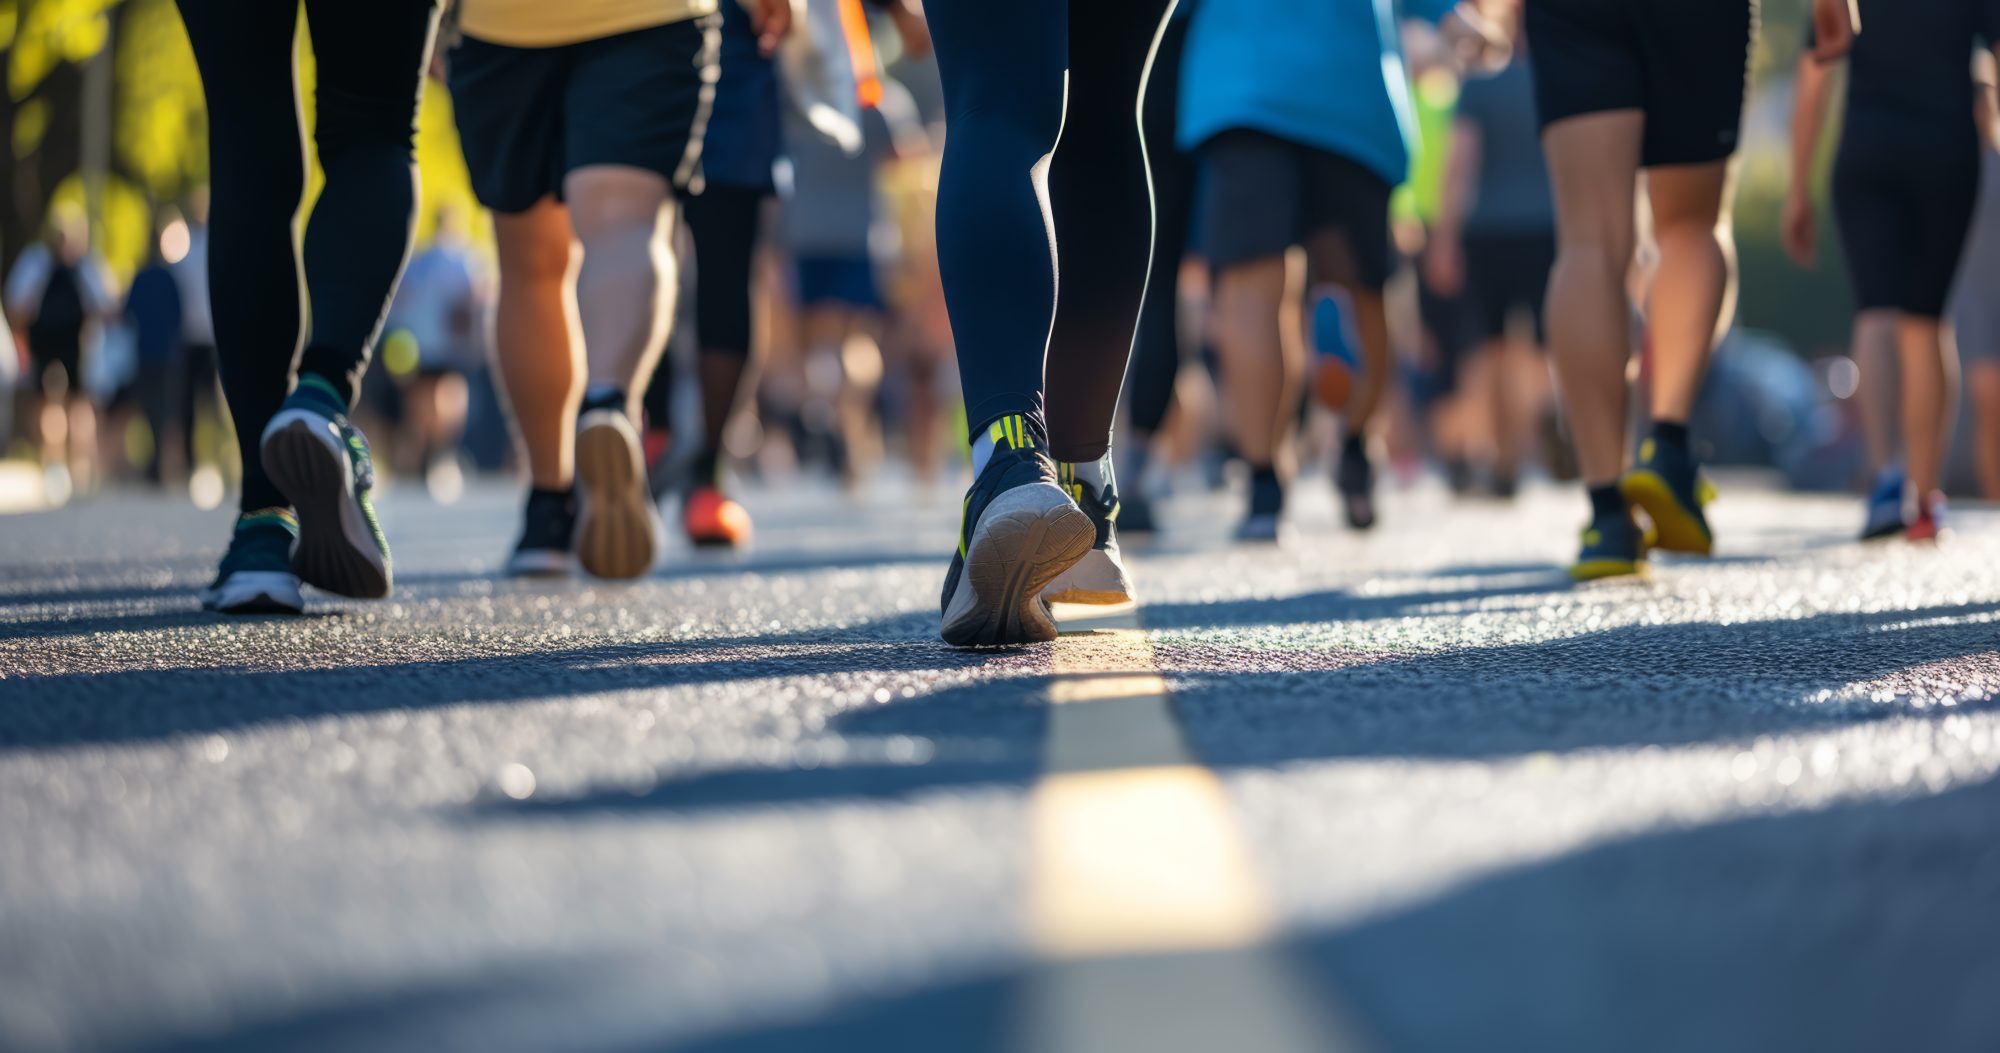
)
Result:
{"points": [[1156, 354], [370, 57], [723, 221], [1003, 68]]}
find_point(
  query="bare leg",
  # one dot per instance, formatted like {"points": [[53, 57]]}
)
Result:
{"points": [[1594, 165], [1874, 352], [1983, 378], [1694, 289], [1930, 378], [625, 288], [1250, 345], [536, 343]]}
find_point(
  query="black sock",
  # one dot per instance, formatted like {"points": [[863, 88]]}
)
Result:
{"points": [[1671, 433], [604, 398], [1606, 502], [1267, 491], [1355, 445]]}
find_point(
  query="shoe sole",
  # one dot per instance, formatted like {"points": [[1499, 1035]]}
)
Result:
{"points": [[616, 526], [336, 550], [255, 592], [540, 564], [1674, 528], [1599, 569], [1025, 540], [1096, 580]]}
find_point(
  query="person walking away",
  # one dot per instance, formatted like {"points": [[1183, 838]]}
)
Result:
{"points": [[295, 323], [1905, 186], [60, 293], [153, 308], [1494, 242], [1292, 162], [582, 122]]}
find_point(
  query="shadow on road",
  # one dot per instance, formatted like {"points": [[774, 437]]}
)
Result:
{"points": [[1741, 936]]}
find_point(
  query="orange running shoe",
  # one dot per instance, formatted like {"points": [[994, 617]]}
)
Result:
{"points": [[714, 521]]}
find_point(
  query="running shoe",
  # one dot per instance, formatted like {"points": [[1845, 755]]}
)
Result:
{"points": [[1885, 506], [256, 573], [1928, 524], [1668, 486], [1264, 522], [1135, 515], [1100, 576], [714, 521], [1354, 478], [617, 526], [319, 460], [1612, 547], [1020, 531], [1335, 363], [548, 536]]}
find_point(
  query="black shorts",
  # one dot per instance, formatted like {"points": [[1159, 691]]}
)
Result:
{"points": [[1904, 199], [1262, 195], [46, 351], [1683, 63], [1506, 272], [527, 117]]}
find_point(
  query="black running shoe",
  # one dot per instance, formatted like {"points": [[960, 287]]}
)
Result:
{"points": [[1136, 516], [319, 460], [256, 573], [1354, 478], [1264, 522], [1099, 577], [1668, 486], [1613, 546], [548, 536], [1020, 531]]}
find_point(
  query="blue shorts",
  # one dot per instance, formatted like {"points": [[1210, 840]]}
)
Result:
{"points": [[838, 280]]}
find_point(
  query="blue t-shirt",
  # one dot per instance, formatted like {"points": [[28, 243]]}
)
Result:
{"points": [[1324, 73]]}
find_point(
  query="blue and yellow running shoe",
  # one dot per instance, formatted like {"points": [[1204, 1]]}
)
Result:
{"points": [[1612, 547], [1019, 533], [256, 573], [320, 462], [1668, 486]]}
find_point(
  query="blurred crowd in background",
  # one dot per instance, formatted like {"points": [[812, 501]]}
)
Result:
{"points": [[104, 244]]}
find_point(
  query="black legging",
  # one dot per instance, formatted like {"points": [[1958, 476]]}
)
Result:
{"points": [[370, 59], [1156, 354], [723, 222], [1002, 65]]}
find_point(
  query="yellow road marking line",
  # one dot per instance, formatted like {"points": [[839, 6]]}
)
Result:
{"points": [[1153, 928], [1135, 848]]}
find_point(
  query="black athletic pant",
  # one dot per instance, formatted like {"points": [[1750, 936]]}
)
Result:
{"points": [[370, 57], [1156, 354], [1002, 66], [723, 222]]}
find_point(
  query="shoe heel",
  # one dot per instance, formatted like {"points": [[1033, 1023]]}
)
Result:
{"points": [[1675, 529], [336, 550], [1025, 540], [615, 525]]}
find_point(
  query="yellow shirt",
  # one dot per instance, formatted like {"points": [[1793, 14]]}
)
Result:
{"points": [[548, 23]]}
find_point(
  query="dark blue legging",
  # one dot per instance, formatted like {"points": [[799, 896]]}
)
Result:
{"points": [[1003, 66]]}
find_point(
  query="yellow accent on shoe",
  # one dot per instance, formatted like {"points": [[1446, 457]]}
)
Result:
{"points": [[1596, 569], [1674, 528], [1646, 449]]}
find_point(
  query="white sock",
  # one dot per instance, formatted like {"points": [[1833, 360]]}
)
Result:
{"points": [[1097, 473], [982, 451]]}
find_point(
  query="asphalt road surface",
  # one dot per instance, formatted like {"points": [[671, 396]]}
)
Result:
{"points": [[1403, 792]]}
